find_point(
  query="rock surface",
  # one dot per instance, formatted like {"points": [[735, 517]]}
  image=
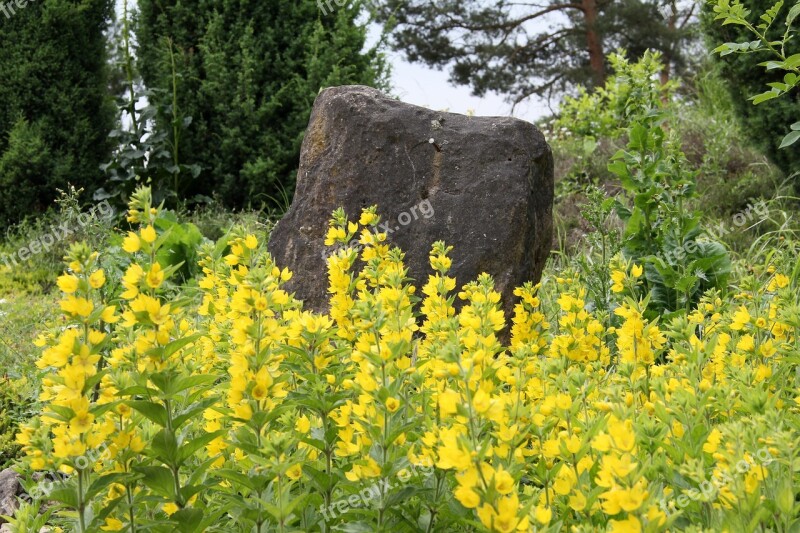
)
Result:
{"points": [[482, 184], [10, 488]]}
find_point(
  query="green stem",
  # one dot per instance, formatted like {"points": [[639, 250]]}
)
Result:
{"points": [[81, 504]]}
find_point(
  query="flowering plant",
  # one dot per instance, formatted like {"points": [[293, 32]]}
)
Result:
{"points": [[225, 406]]}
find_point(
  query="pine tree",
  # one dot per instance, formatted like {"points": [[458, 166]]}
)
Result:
{"points": [[248, 75], [539, 48], [53, 97]]}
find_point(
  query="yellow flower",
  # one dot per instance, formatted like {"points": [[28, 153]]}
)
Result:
{"points": [[712, 441], [81, 422], [294, 472], [67, 283], [780, 281], [112, 524], [481, 401], [392, 404], [97, 279], [629, 525], [155, 277], [149, 234], [367, 218], [740, 318], [448, 402], [77, 306], [636, 271], [467, 497], [618, 277], [109, 315], [503, 482], [170, 508], [251, 242], [623, 435], [577, 502], [543, 514], [303, 424], [131, 243]]}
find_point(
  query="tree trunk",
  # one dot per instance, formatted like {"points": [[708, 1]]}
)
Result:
{"points": [[672, 21], [594, 42]]}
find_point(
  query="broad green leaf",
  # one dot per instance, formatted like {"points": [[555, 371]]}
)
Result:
{"points": [[158, 479], [153, 411], [790, 139]]}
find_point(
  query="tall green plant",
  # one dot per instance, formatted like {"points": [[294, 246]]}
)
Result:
{"points": [[662, 230], [146, 152]]}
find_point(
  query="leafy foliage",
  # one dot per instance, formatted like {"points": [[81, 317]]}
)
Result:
{"points": [[758, 54], [735, 13], [633, 91]]}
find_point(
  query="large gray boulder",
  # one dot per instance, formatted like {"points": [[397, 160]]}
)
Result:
{"points": [[481, 184], [10, 488]]}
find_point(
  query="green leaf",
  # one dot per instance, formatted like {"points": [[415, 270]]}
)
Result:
{"points": [[189, 448], [68, 495], [235, 476], [188, 382], [159, 480], [164, 447], [188, 520], [103, 482], [793, 14], [153, 411], [194, 410], [792, 61], [176, 345], [763, 97], [790, 139]]}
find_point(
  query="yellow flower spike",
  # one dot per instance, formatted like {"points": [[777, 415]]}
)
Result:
{"points": [[148, 234], [618, 277]]}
